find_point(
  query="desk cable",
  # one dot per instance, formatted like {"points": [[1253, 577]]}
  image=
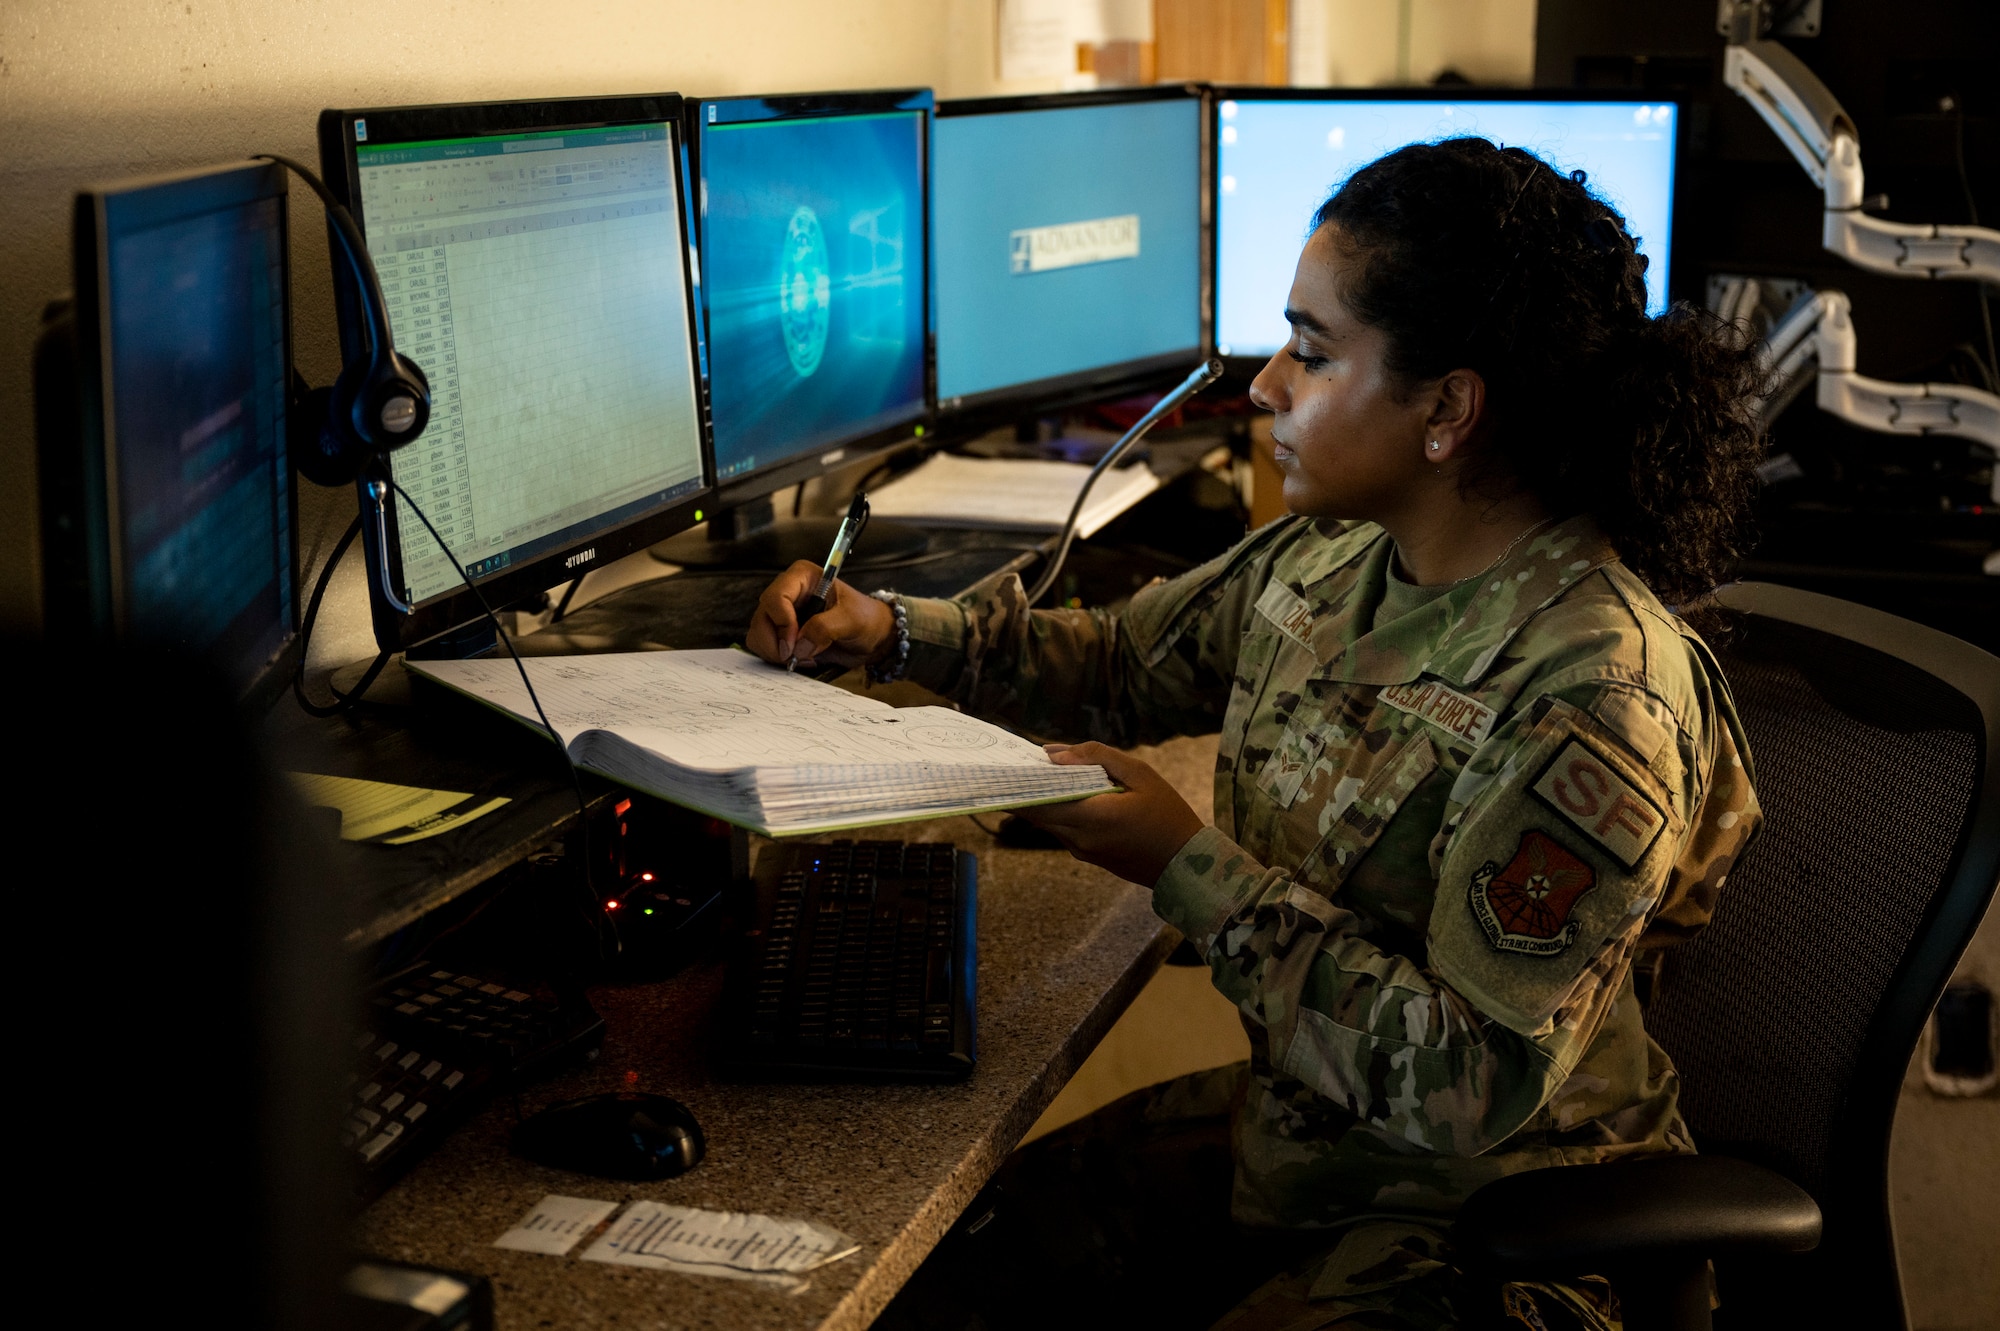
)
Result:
{"points": [[601, 917], [1204, 374]]}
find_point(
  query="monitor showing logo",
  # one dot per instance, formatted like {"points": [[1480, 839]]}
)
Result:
{"points": [[1043, 249]]}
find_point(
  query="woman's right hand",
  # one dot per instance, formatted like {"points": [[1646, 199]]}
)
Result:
{"points": [[853, 630]]}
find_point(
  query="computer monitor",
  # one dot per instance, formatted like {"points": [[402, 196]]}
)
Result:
{"points": [[168, 514], [1071, 247], [534, 263], [1280, 153], [814, 244]]}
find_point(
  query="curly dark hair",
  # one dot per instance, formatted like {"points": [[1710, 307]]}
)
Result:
{"points": [[1485, 258]]}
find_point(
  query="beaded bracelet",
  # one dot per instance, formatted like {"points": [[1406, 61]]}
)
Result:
{"points": [[892, 670]]}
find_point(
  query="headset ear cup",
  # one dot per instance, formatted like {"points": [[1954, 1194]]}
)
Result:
{"points": [[318, 446]]}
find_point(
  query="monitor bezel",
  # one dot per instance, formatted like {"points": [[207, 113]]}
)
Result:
{"points": [[1241, 368], [340, 162], [916, 425], [972, 413], [103, 213]]}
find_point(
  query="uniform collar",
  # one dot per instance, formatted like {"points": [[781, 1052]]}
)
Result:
{"points": [[1461, 634]]}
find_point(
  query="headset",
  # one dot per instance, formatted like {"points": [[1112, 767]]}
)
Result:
{"points": [[377, 404]]}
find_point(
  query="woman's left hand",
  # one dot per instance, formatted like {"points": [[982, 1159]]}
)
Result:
{"points": [[1135, 833]]}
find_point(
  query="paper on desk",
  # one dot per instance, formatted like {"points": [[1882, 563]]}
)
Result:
{"points": [[732, 1244], [555, 1225], [391, 814], [1018, 494]]}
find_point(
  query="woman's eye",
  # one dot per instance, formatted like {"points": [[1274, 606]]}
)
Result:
{"points": [[1306, 358]]}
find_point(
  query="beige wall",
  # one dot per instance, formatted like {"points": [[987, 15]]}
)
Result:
{"points": [[94, 89], [97, 89], [1362, 43]]}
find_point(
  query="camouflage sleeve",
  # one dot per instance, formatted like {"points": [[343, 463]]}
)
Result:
{"points": [[1377, 1033], [1557, 848], [1160, 667]]}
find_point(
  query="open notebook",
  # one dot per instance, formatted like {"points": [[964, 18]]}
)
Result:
{"points": [[781, 754]]}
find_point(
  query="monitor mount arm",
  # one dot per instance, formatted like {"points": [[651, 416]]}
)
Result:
{"points": [[1809, 121], [1820, 328]]}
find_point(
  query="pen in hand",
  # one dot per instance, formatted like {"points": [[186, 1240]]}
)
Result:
{"points": [[843, 541]]}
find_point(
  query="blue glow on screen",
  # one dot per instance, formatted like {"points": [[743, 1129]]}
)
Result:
{"points": [[1003, 321], [1279, 160], [812, 272], [199, 381]]}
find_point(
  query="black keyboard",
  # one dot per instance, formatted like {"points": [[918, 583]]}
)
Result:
{"points": [[436, 1043], [860, 964]]}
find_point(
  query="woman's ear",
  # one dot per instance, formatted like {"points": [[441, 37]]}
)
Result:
{"points": [[1457, 411]]}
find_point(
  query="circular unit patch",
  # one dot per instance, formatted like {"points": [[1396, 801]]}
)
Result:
{"points": [[805, 291]]}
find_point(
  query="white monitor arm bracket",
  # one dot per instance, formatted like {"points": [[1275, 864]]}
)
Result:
{"points": [[1810, 123], [1820, 327]]}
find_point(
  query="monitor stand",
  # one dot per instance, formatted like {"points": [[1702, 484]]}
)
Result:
{"points": [[751, 537]]}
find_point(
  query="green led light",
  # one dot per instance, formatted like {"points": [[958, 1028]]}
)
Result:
{"points": [[648, 911], [697, 515]]}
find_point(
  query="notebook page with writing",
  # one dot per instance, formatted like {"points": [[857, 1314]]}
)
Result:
{"points": [[728, 734]]}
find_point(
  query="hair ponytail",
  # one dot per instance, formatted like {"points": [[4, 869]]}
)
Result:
{"points": [[1477, 257]]}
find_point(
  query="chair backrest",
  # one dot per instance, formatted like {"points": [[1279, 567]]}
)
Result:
{"points": [[1792, 1017]]}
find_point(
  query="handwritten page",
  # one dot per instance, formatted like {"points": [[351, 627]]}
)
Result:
{"points": [[1020, 494], [783, 754], [732, 1244], [721, 711]]}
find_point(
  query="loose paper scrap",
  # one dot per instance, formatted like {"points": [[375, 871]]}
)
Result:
{"points": [[731, 1244], [388, 813], [555, 1225]]}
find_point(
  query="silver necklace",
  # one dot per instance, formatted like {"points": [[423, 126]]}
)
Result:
{"points": [[1501, 558]]}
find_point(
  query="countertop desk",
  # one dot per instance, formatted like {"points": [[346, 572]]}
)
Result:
{"points": [[1063, 949]]}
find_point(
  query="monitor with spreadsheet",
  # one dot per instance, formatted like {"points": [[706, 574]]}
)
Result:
{"points": [[533, 258], [1070, 246], [1280, 153], [167, 501]]}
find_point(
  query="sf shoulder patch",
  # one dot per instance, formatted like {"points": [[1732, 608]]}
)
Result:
{"points": [[1525, 905], [1604, 806]]}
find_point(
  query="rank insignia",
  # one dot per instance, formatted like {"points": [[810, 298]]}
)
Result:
{"points": [[1525, 907]]}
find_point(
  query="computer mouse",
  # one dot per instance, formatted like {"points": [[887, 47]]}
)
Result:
{"points": [[622, 1134]]}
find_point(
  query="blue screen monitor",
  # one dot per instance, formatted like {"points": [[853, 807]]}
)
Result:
{"points": [[1279, 156], [534, 262], [1070, 245], [814, 275], [168, 508]]}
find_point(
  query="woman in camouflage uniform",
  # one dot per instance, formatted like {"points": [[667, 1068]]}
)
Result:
{"points": [[1472, 767]]}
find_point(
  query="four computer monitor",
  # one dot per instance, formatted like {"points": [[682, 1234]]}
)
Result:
{"points": [[534, 262], [1070, 256], [814, 239], [167, 502], [1280, 153], [634, 309]]}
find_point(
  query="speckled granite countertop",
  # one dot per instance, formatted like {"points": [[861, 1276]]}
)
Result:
{"points": [[1063, 948]]}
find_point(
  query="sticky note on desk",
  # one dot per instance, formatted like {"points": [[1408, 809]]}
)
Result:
{"points": [[555, 1225], [391, 814]]}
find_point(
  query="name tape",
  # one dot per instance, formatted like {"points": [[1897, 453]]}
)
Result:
{"points": [[1289, 611]]}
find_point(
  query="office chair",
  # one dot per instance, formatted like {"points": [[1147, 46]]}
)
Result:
{"points": [[1793, 1016]]}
